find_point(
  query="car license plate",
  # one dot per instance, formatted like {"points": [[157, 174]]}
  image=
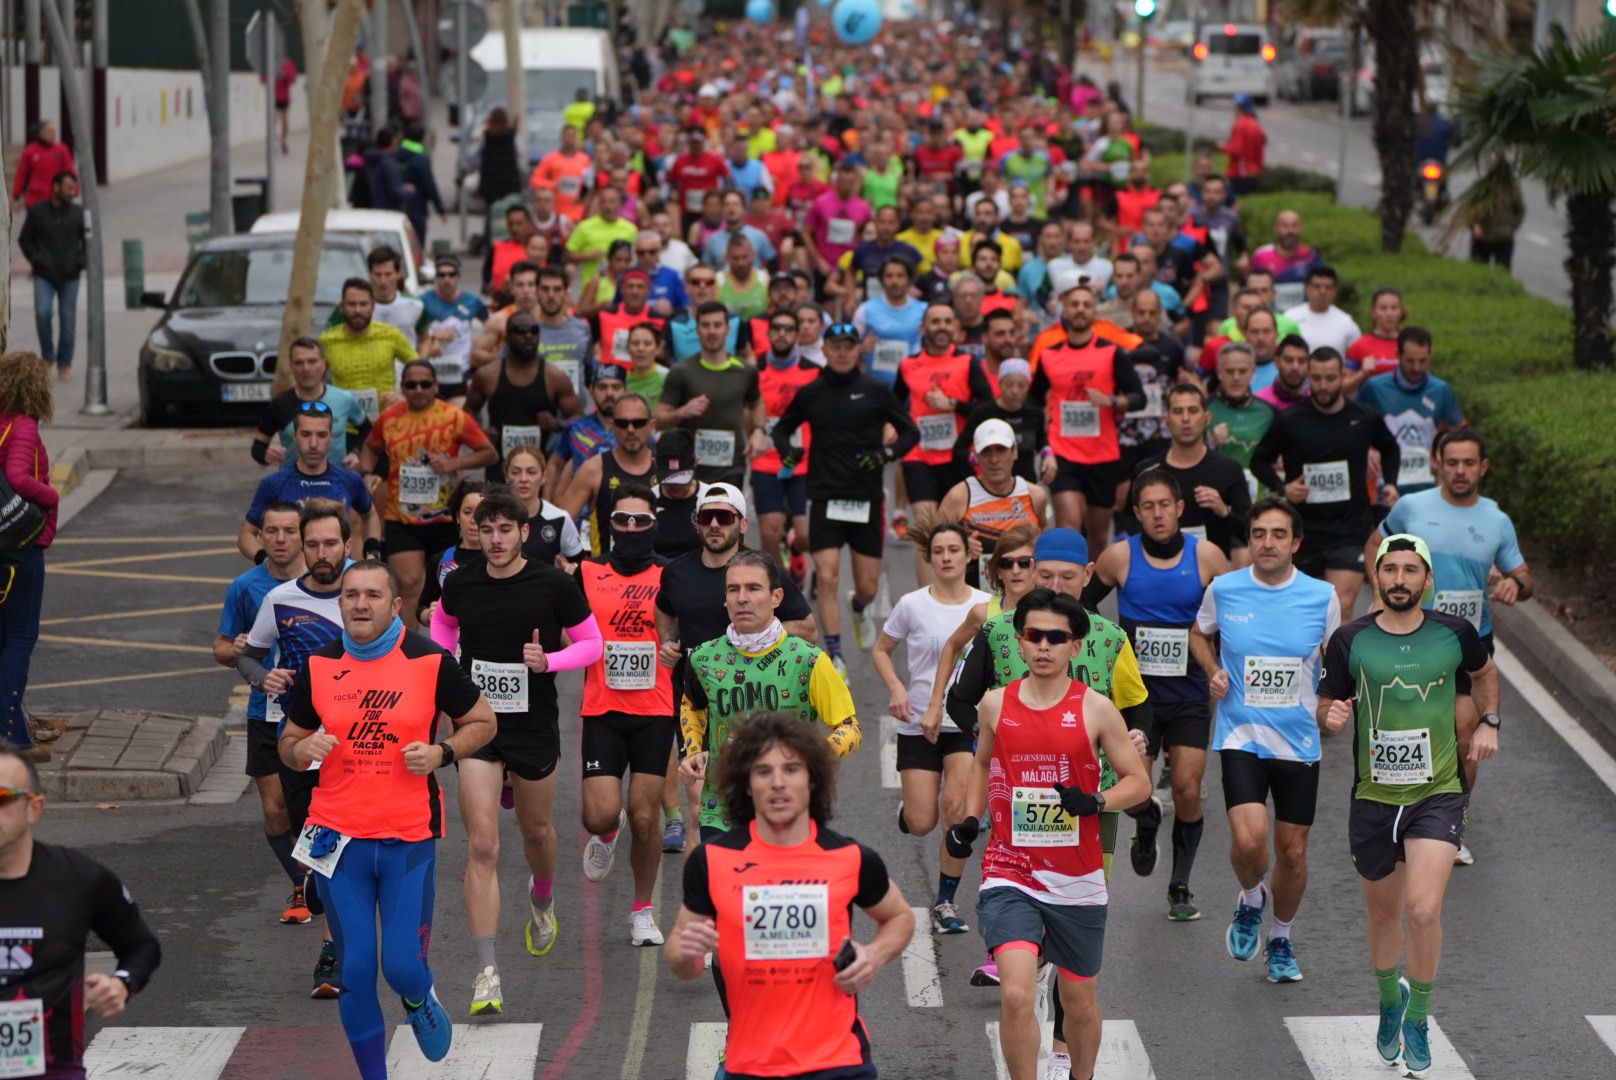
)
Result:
{"points": [[245, 391]]}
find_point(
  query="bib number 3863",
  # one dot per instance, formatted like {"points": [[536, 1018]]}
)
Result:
{"points": [[504, 685], [22, 1037], [786, 922]]}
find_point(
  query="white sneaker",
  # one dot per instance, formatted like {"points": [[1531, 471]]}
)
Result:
{"points": [[542, 928], [1462, 857], [1059, 1067], [599, 855], [863, 625], [485, 994], [645, 930], [1042, 1002]]}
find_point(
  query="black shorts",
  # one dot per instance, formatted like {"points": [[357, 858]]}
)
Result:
{"points": [[1070, 936], [928, 483], [918, 752], [299, 790], [528, 748], [1377, 830], [772, 495], [1178, 723], [1329, 555], [1097, 483], [864, 537], [399, 537], [263, 749], [615, 741], [1294, 785]]}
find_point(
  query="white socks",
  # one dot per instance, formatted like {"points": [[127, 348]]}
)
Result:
{"points": [[1277, 929], [1252, 897]]}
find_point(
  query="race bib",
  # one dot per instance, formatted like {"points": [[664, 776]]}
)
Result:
{"points": [[1467, 604], [1153, 403], [22, 1037], [324, 865], [1273, 682], [1037, 819], [1401, 757], [274, 712], [1251, 484], [1327, 482], [715, 447], [369, 401], [888, 355], [570, 186], [1413, 466], [448, 369], [937, 431], [572, 369], [1079, 420], [787, 922], [1197, 531], [504, 685], [839, 231], [1119, 171], [852, 511], [619, 349], [513, 435], [693, 201], [631, 665], [1288, 294], [419, 489], [1162, 650]]}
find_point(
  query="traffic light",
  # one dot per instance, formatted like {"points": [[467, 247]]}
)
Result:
{"points": [[1146, 9]]}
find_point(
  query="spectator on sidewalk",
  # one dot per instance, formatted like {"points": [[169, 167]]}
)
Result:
{"points": [[1245, 146], [25, 403], [388, 190], [285, 77], [42, 159], [422, 186], [52, 240]]}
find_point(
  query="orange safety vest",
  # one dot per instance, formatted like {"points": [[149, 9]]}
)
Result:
{"points": [[628, 678], [939, 429], [1079, 430], [614, 328]]}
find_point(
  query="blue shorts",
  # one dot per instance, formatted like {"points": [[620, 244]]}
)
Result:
{"points": [[772, 495]]}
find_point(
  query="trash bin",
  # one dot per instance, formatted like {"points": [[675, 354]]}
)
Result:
{"points": [[248, 206]]}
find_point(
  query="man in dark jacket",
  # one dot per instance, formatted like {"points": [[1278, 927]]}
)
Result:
{"points": [[386, 177], [418, 179], [52, 240]]}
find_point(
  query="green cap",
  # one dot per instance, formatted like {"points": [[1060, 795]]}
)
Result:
{"points": [[1419, 546]]}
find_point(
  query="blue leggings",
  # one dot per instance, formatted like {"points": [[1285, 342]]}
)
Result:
{"points": [[397, 879]]}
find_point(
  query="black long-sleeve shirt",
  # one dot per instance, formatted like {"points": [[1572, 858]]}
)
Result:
{"points": [[848, 414], [1214, 471], [1317, 446]]}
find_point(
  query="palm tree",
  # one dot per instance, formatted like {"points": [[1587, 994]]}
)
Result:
{"points": [[1549, 116], [1393, 26]]}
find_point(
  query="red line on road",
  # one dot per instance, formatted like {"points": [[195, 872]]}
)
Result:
{"points": [[594, 982], [290, 1053]]}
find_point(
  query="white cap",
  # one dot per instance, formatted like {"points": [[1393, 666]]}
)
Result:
{"points": [[723, 495], [994, 433]]}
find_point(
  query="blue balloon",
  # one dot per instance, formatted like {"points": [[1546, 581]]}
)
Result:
{"points": [[760, 11], [856, 21]]}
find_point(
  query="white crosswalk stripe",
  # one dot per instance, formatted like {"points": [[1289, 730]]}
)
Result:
{"points": [[1122, 1051], [161, 1053], [1343, 1048], [889, 752], [1605, 1027], [478, 1052], [706, 1050], [921, 979]]}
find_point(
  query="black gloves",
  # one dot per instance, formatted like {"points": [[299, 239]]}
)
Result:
{"points": [[959, 838], [1076, 802]]}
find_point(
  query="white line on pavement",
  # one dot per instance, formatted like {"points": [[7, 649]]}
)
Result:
{"points": [[921, 979], [889, 752], [1122, 1051], [706, 1050], [1592, 754], [161, 1053], [1343, 1048], [485, 1051], [1537, 238], [1605, 1026]]}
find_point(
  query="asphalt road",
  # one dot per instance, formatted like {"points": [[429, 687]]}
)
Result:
{"points": [[1524, 984]]}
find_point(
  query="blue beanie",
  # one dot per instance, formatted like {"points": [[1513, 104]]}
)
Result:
{"points": [[1062, 545]]}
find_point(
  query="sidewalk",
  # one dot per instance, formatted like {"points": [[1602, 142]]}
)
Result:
{"points": [[134, 754]]}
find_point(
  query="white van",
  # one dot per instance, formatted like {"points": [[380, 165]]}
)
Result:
{"points": [[558, 62], [1230, 59]]}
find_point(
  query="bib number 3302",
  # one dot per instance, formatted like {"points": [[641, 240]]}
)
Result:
{"points": [[786, 922]]}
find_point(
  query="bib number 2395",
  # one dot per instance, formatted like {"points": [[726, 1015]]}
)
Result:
{"points": [[22, 1037]]}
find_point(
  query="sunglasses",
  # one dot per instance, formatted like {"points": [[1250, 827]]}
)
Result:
{"points": [[1016, 562], [1052, 637], [632, 424], [418, 384], [313, 407], [627, 519], [842, 329], [717, 516], [704, 281], [448, 273], [11, 795]]}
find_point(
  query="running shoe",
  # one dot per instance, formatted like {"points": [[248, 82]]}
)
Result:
{"points": [[898, 528], [799, 570], [433, 1031], [986, 975], [863, 625], [1059, 1067], [1145, 850], [945, 919], [1416, 1049], [840, 665], [327, 978], [542, 930], [600, 854], [297, 910], [903, 822], [1388, 1038], [1044, 994], [1282, 966], [485, 994], [1181, 904], [673, 836], [645, 930], [1241, 939], [1462, 857]]}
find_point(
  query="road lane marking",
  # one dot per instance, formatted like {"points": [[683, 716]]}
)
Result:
{"points": [[1537, 238], [161, 1053], [1343, 1048], [143, 613], [114, 643], [1605, 1028], [1576, 736], [486, 1051], [123, 560], [921, 979], [103, 679], [86, 541], [140, 576], [1122, 1051], [889, 752], [705, 1051], [639, 1031]]}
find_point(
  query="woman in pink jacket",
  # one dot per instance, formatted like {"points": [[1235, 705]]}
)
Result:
{"points": [[25, 403]]}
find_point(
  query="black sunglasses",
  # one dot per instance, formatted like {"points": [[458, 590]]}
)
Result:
{"points": [[1018, 562], [632, 424], [1034, 636], [717, 515], [418, 384]]}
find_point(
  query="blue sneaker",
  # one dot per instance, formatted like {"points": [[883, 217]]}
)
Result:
{"points": [[1282, 966], [1388, 1039], [673, 837], [431, 1025], [1241, 940], [1416, 1049]]}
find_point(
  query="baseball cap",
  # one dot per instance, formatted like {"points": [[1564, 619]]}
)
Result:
{"points": [[610, 371], [1062, 545], [452, 262], [676, 457], [1245, 103], [721, 495], [844, 330], [1408, 539], [994, 433]]}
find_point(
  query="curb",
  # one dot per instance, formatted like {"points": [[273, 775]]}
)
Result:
{"points": [[1533, 634], [181, 776]]}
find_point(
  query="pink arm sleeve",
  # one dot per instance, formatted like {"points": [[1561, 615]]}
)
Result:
{"points": [[585, 649], [445, 628]]}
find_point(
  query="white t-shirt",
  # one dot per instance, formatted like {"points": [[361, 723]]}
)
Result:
{"points": [[678, 257], [924, 625], [1333, 328], [1001, 199], [403, 312], [1066, 271]]}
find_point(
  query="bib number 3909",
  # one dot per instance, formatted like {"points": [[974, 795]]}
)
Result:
{"points": [[786, 922], [22, 1037]]}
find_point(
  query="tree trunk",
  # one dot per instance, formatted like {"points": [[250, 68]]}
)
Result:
{"points": [[312, 17], [1591, 242], [319, 177], [1397, 70], [218, 186], [5, 257]]}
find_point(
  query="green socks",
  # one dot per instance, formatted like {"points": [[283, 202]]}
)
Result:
{"points": [[674, 813], [1419, 1001], [1391, 995]]}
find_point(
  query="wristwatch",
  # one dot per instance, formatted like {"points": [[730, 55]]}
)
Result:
{"points": [[1099, 800], [123, 976], [448, 754], [1491, 720]]}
